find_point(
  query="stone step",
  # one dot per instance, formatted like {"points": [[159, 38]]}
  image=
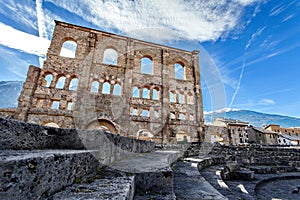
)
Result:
{"points": [[106, 184]]}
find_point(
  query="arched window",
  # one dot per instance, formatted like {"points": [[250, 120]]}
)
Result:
{"points": [[73, 84], [55, 105], [134, 112], [179, 71], [146, 66], [155, 94], [69, 106], [106, 88], [95, 86], [135, 92], [48, 80], [145, 113], [145, 93], [180, 98], [117, 89], [190, 98], [110, 57], [68, 49], [181, 116], [172, 115], [61, 82], [172, 97]]}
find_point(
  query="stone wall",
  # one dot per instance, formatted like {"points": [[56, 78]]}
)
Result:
{"points": [[7, 112], [259, 155], [108, 147], [49, 95]]}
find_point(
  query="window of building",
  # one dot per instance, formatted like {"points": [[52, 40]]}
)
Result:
{"points": [[179, 71], [117, 89], [73, 84], [134, 112], [146, 66], [55, 105], [190, 98], [191, 117], [172, 97], [68, 49], [181, 116], [106, 88], [39, 103], [135, 92], [155, 94], [48, 80], [172, 115], [156, 115], [110, 57], [180, 98], [69, 106], [95, 86], [61, 83], [145, 113], [145, 93]]}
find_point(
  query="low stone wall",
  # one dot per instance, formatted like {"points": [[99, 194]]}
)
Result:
{"points": [[259, 155], [39, 174], [18, 135]]}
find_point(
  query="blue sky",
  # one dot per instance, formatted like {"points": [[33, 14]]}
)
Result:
{"points": [[249, 49]]}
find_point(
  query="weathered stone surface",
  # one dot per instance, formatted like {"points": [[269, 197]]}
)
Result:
{"points": [[38, 174], [106, 184]]}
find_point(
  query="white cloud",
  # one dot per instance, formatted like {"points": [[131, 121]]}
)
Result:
{"points": [[198, 20], [267, 102], [22, 12], [22, 41]]}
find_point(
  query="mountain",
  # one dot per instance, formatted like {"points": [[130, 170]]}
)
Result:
{"points": [[255, 118], [9, 93]]}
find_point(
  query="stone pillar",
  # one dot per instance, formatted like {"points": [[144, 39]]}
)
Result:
{"points": [[198, 94], [26, 96]]}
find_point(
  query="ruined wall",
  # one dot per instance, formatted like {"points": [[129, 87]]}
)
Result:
{"points": [[114, 88]]}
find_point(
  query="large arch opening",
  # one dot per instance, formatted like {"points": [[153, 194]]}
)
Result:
{"points": [[144, 134], [52, 124], [102, 124]]}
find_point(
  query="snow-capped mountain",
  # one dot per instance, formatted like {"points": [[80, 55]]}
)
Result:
{"points": [[255, 118], [9, 93]]}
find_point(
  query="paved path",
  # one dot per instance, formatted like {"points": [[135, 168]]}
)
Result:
{"points": [[190, 184]]}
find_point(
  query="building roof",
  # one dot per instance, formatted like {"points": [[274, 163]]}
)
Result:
{"points": [[290, 137]]}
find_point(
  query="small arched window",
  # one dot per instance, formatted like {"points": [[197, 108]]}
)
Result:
{"points": [[172, 115], [180, 98], [146, 66], [134, 112], [110, 57], [106, 88], [55, 105], [145, 93], [135, 92], [73, 84], [172, 97], [95, 86], [181, 116], [68, 49], [117, 89], [145, 113], [48, 80], [155, 94], [190, 98], [60, 82], [179, 71]]}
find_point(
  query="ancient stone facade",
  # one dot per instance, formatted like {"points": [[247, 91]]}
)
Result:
{"points": [[93, 79]]}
